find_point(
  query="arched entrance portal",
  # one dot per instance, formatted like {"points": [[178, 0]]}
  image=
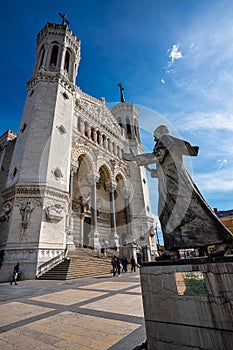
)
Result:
{"points": [[81, 203], [86, 231], [98, 207]]}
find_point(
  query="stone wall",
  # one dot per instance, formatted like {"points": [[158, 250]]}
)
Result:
{"points": [[188, 304]]}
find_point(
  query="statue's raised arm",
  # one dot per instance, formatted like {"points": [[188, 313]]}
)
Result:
{"points": [[142, 159]]}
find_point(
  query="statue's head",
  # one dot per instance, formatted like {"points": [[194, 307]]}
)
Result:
{"points": [[160, 130]]}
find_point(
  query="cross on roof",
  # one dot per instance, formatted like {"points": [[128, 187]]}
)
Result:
{"points": [[64, 20], [121, 92]]}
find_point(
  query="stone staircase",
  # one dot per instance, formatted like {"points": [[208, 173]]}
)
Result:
{"points": [[81, 263]]}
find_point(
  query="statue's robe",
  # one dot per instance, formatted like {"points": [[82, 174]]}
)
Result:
{"points": [[186, 219]]}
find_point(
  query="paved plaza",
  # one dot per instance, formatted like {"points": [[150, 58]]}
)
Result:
{"points": [[96, 313]]}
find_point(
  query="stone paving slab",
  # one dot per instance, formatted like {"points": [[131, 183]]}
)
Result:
{"points": [[122, 304], [136, 290], [96, 313], [15, 311], [68, 296], [68, 330], [111, 285]]}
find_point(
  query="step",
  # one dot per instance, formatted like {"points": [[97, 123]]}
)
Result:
{"points": [[79, 266]]}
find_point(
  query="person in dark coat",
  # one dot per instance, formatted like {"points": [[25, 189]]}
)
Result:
{"points": [[133, 264], [118, 266], [15, 274]]}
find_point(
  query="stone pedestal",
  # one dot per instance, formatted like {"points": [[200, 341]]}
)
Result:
{"points": [[188, 303]]}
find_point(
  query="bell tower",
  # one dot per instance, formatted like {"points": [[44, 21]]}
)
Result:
{"points": [[38, 182], [139, 209], [58, 50]]}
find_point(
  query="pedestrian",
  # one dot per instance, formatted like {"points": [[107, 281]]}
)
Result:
{"points": [[103, 252], [15, 274], [133, 264], [114, 265], [125, 263], [118, 266]]}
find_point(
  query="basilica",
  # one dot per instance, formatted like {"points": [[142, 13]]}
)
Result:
{"points": [[64, 182]]}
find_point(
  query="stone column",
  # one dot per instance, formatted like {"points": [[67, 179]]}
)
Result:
{"points": [[81, 229], [109, 145], [61, 57], [105, 143], [111, 188], [70, 237], [46, 47], [88, 131], [82, 126], [100, 139], [94, 135], [94, 234], [126, 195]]}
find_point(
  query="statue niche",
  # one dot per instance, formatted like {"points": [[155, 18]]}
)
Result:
{"points": [[25, 210]]}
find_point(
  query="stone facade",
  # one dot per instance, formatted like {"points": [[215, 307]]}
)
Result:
{"points": [[64, 183], [188, 303]]}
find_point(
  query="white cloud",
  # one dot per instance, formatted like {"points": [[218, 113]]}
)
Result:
{"points": [[197, 121], [218, 181], [221, 163], [174, 53]]}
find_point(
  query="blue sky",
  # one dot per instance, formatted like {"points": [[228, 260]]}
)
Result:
{"points": [[174, 58]]}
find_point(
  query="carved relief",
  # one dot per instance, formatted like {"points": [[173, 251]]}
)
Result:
{"points": [[76, 207], [57, 173], [25, 210], [54, 212], [61, 129], [86, 202], [103, 215], [5, 211], [92, 110]]}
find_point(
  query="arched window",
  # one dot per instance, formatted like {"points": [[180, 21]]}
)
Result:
{"points": [[92, 134], [128, 128], [54, 55], [99, 139], [67, 61], [42, 53]]}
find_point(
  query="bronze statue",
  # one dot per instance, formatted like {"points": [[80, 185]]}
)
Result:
{"points": [[186, 219]]}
